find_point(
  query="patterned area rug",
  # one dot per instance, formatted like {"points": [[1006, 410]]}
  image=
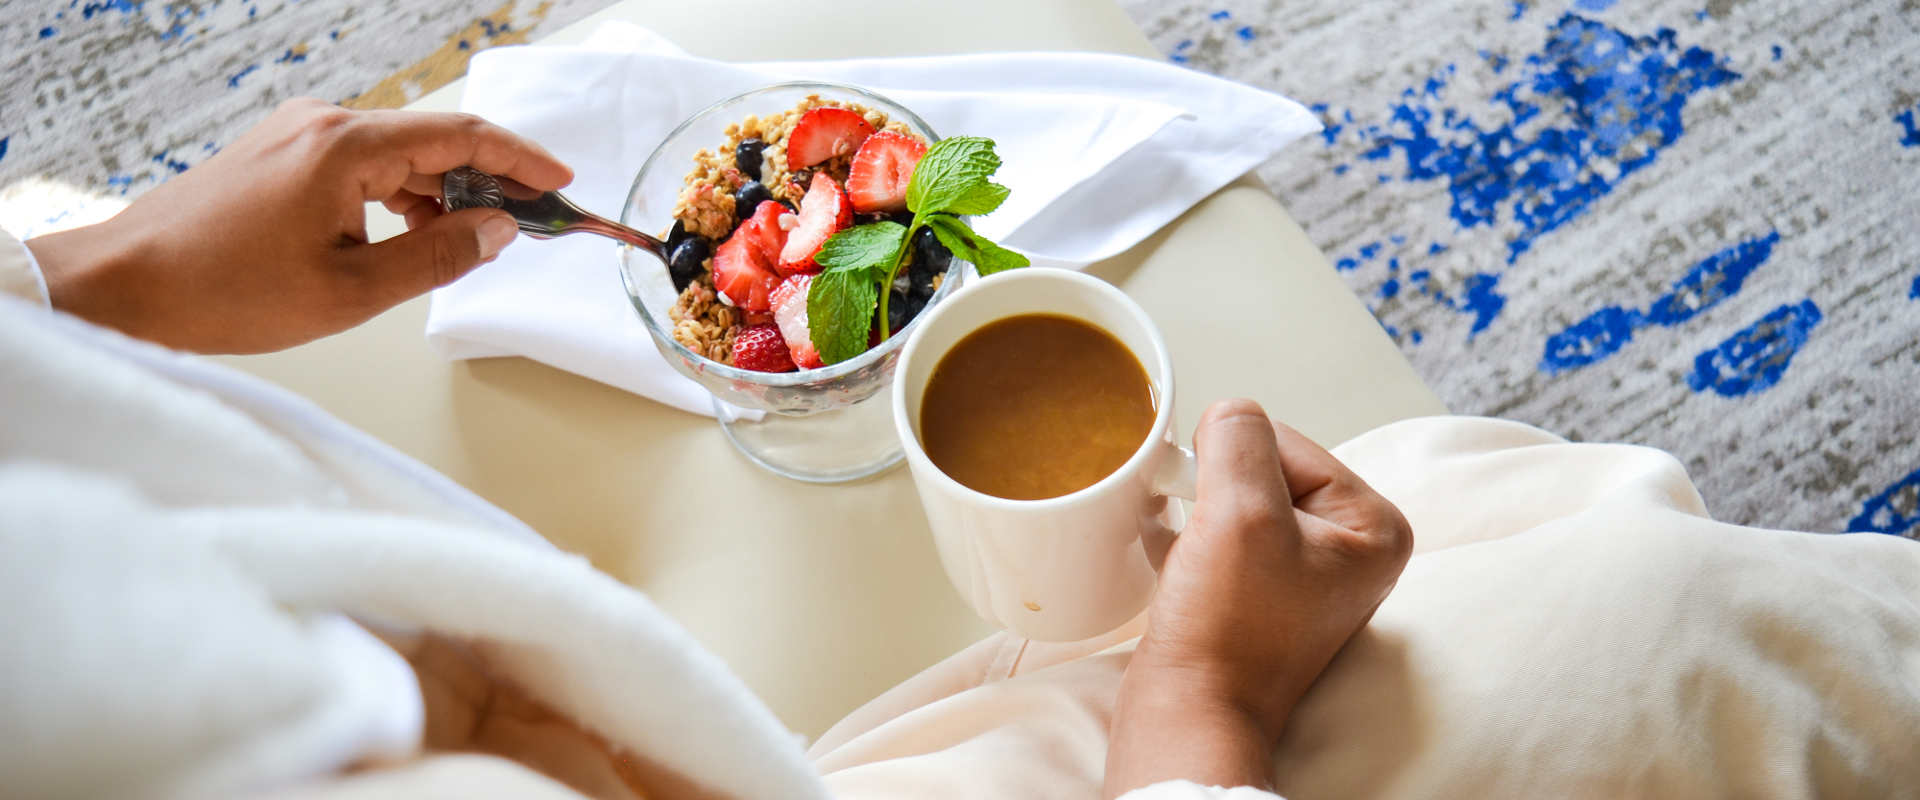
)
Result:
{"points": [[1690, 226], [1693, 225]]}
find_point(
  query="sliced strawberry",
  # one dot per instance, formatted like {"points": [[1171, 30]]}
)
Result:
{"points": [[823, 133], [790, 312], [824, 211], [742, 276], [763, 231], [881, 171], [760, 348], [744, 264]]}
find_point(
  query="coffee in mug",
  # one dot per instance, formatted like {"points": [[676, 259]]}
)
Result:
{"points": [[1035, 406]]}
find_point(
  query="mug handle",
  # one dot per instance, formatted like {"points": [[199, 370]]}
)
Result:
{"points": [[1177, 474]]}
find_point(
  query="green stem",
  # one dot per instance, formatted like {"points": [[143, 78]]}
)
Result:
{"points": [[886, 286]]}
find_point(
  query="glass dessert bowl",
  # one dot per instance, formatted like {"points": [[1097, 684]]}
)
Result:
{"points": [[826, 424]]}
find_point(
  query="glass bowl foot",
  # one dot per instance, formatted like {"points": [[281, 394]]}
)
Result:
{"points": [[838, 446]]}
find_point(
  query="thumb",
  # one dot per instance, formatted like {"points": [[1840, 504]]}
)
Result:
{"points": [[1239, 469], [440, 251], [1242, 489]]}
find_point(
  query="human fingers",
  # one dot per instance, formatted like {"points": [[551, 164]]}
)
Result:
{"points": [[433, 186], [432, 254], [1324, 487], [1240, 478], [407, 148], [416, 209]]}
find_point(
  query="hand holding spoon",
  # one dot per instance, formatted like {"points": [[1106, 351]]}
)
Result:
{"points": [[542, 215]]}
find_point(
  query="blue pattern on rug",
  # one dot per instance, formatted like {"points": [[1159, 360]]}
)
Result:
{"points": [[1753, 359], [1709, 282], [1615, 100], [1618, 99], [1909, 129], [1891, 511]]}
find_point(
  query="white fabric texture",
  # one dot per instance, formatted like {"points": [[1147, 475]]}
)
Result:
{"points": [[1571, 625], [20, 274], [181, 547], [1126, 142]]}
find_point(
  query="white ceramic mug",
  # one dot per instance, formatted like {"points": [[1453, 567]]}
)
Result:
{"points": [[1064, 568]]}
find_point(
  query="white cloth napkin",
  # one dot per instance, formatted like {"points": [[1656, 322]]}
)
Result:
{"points": [[1099, 151]]}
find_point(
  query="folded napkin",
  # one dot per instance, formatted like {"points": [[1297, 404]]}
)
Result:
{"points": [[1099, 150]]}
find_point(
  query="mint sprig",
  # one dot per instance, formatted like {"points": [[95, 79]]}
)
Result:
{"points": [[861, 262]]}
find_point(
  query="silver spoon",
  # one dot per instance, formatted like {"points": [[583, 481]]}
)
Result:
{"points": [[542, 215]]}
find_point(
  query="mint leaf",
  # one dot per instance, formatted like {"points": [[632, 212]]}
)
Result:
{"points": [[840, 313], [864, 247], [841, 300], [949, 171], [986, 256], [980, 198]]}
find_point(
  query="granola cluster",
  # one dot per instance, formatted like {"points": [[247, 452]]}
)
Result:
{"points": [[703, 323]]}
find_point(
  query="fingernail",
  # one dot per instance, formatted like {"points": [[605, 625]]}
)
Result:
{"points": [[495, 233]]}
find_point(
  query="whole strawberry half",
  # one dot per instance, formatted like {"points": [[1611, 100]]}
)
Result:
{"points": [[744, 266], [881, 171], [790, 313], [760, 348], [824, 211], [823, 133]]}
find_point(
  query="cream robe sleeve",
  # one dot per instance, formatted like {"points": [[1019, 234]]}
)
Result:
{"points": [[19, 273]]}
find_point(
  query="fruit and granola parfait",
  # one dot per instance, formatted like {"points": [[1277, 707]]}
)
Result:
{"points": [[815, 233]]}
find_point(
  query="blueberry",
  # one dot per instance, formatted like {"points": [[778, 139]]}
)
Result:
{"points": [[896, 312], [749, 197], [747, 157], [790, 208], [905, 218], [901, 309], [930, 258], [688, 261], [677, 235]]}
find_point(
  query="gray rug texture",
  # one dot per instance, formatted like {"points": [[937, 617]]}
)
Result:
{"points": [[1691, 225]]}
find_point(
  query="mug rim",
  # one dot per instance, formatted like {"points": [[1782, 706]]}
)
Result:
{"points": [[1162, 414]]}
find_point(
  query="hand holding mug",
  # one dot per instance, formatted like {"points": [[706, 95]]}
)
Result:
{"points": [[1287, 556]]}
